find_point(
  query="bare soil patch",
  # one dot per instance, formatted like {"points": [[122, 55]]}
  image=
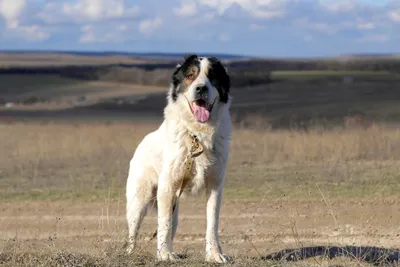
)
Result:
{"points": [[248, 228]]}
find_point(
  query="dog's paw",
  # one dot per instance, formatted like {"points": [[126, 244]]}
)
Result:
{"points": [[218, 258], [130, 247], [167, 256], [129, 250]]}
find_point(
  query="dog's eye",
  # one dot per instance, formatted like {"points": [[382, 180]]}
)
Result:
{"points": [[189, 76]]}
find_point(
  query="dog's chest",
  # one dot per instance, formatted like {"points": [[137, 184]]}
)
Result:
{"points": [[201, 165]]}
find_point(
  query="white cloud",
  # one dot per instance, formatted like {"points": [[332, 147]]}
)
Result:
{"points": [[224, 37], [87, 28], [219, 5], [32, 33], [395, 15], [150, 25], [256, 27], [332, 27], [49, 13], [203, 37], [87, 11], [187, 8], [122, 28], [11, 10], [379, 38], [365, 26], [88, 35], [92, 34], [98, 9], [262, 9], [338, 5], [308, 38], [267, 14]]}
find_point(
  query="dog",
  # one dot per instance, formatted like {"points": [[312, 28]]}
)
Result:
{"points": [[164, 165]]}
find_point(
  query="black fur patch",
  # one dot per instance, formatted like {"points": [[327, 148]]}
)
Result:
{"points": [[178, 75], [219, 78]]}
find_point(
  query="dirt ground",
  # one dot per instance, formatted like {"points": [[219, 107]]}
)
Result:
{"points": [[247, 228]]}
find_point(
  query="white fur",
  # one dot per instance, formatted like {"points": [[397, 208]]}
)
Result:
{"points": [[156, 169]]}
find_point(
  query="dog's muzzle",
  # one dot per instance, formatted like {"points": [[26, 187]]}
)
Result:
{"points": [[201, 107], [201, 92]]}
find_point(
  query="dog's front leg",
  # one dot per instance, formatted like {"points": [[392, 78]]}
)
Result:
{"points": [[165, 198], [213, 248]]}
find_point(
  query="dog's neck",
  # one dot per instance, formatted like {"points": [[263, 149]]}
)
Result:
{"points": [[184, 123], [205, 132]]}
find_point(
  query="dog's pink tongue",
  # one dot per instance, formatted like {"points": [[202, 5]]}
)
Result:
{"points": [[201, 113]]}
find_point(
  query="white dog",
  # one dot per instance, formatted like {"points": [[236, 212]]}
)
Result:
{"points": [[188, 152]]}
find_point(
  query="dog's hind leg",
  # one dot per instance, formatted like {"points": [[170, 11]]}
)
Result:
{"points": [[137, 206], [135, 214], [165, 200]]}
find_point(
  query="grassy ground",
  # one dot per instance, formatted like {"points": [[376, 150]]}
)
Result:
{"points": [[62, 194], [81, 159]]}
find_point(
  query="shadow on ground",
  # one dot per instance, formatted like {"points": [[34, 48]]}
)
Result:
{"points": [[372, 255]]}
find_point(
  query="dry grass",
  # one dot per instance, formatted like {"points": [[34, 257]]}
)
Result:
{"points": [[79, 164], [78, 259], [52, 160], [35, 59]]}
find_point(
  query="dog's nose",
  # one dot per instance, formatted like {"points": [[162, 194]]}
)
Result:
{"points": [[201, 89]]}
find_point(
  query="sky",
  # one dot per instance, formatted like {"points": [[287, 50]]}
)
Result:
{"points": [[267, 28]]}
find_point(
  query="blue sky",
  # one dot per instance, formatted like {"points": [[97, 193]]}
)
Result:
{"points": [[273, 28]]}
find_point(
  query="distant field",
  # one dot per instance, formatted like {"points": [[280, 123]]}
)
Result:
{"points": [[304, 75], [293, 98], [55, 93], [20, 84], [36, 60]]}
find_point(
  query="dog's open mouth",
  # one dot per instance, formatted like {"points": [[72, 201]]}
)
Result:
{"points": [[201, 110]]}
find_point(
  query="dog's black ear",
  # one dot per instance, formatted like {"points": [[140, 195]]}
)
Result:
{"points": [[189, 55], [177, 77], [219, 77]]}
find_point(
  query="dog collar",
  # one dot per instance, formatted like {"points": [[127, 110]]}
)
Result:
{"points": [[196, 150]]}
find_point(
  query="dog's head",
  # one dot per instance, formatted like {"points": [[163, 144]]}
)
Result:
{"points": [[200, 87]]}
